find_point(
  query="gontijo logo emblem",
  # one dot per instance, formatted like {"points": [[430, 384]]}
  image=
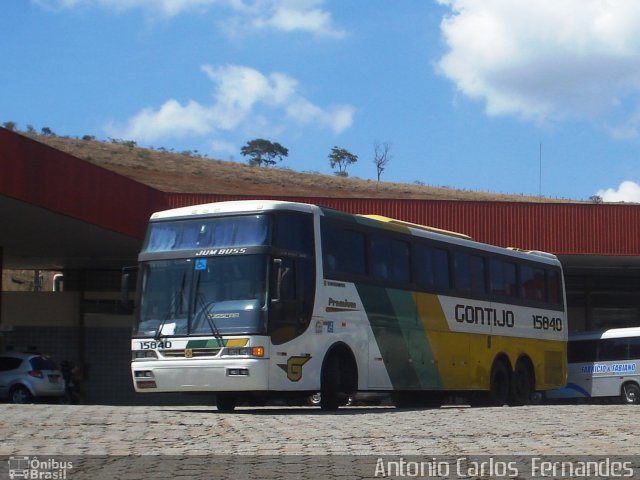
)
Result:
{"points": [[34, 468], [294, 367]]}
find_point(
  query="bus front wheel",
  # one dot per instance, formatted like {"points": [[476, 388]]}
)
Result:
{"points": [[330, 384], [631, 393]]}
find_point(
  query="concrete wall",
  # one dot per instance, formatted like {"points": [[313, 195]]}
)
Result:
{"points": [[50, 323], [21, 309]]}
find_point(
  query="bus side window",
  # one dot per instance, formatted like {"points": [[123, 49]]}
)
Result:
{"points": [[532, 283], [584, 351], [431, 267], [468, 272], [612, 349], [442, 277], [502, 277], [343, 251], [390, 259], [423, 266], [554, 286], [294, 231], [634, 347]]}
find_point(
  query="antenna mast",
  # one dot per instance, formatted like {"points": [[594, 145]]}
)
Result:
{"points": [[540, 171]]}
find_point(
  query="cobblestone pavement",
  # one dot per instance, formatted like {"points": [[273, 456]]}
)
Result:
{"points": [[109, 430], [89, 430]]}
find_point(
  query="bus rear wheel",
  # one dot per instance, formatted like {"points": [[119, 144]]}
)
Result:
{"points": [[631, 393], [522, 384]]}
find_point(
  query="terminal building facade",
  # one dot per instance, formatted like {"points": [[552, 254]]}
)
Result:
{"points": [[60, 213]]}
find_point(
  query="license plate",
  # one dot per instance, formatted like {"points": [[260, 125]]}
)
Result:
{"points": [[54, 378]]}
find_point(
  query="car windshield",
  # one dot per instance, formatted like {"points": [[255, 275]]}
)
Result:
{"points": [[203, 296]]}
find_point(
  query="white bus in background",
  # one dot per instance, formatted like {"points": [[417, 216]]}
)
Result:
{"points": [[603, 364]]}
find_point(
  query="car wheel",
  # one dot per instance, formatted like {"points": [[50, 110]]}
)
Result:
{"points": [[20, 394]]}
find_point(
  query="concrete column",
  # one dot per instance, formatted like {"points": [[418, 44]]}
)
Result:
{"points": [[1, 287], [1, 295]]}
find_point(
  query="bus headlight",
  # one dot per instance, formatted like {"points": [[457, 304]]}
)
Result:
{"points": [[244, 351], [143, 354]]}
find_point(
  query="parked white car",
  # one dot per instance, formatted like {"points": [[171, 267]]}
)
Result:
{"points": [[24, 376]]}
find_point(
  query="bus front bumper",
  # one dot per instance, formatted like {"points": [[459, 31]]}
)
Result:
{"points": [[242, 375]]}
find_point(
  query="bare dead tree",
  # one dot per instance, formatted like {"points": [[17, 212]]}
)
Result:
{"points": [[381, 156]]}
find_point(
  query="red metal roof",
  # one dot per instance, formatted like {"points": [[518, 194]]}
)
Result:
{"points": [[48, 178], [560, 228]]}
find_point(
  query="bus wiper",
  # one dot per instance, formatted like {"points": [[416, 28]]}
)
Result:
{"points": [[175, 306], [204, 310]]}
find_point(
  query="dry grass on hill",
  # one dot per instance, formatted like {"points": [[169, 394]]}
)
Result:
{"points": [[189, 173]]}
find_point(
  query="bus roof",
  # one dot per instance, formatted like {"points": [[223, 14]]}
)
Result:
{"points": [[236, 206], [394, 221], [601, 335]]}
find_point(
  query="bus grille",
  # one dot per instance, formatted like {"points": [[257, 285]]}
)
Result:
{"points": [[195, 352]]}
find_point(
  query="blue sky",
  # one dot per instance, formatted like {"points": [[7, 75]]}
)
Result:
{"points": [[465, 92]]}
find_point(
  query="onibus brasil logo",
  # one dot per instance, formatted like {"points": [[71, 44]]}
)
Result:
{"points": [[38, 469]]}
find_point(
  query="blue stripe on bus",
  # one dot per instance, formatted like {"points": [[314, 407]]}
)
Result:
{"points": [[578, 389]]}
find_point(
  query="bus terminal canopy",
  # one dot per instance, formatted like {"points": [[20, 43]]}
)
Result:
{"points": [[60, 212], [33, 237]]}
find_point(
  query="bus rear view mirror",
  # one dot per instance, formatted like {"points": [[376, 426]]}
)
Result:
{"points": [[125, 286], [276, 288]]}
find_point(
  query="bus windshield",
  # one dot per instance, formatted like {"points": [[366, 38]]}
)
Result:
{"points": [[236, 231], [203, 296]]}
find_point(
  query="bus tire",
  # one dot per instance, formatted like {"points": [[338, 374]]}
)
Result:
{"points": [[225, 403], [499, 386], [330, 382], [631, 393], [522, 384]]}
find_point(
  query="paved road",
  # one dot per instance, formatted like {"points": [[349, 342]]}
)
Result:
{"points": [[87, 431]]}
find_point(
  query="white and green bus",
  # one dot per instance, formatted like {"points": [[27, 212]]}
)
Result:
{"points": [[603, 365], [257, 299]]}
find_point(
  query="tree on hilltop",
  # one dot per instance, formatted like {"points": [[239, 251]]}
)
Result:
{"points": [[381, 156], [341, 158], [263, 152]]}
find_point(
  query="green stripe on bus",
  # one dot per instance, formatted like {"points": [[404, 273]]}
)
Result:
{"points": [[389, 336], [210, 343], [401, 338], [418, 347]]}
